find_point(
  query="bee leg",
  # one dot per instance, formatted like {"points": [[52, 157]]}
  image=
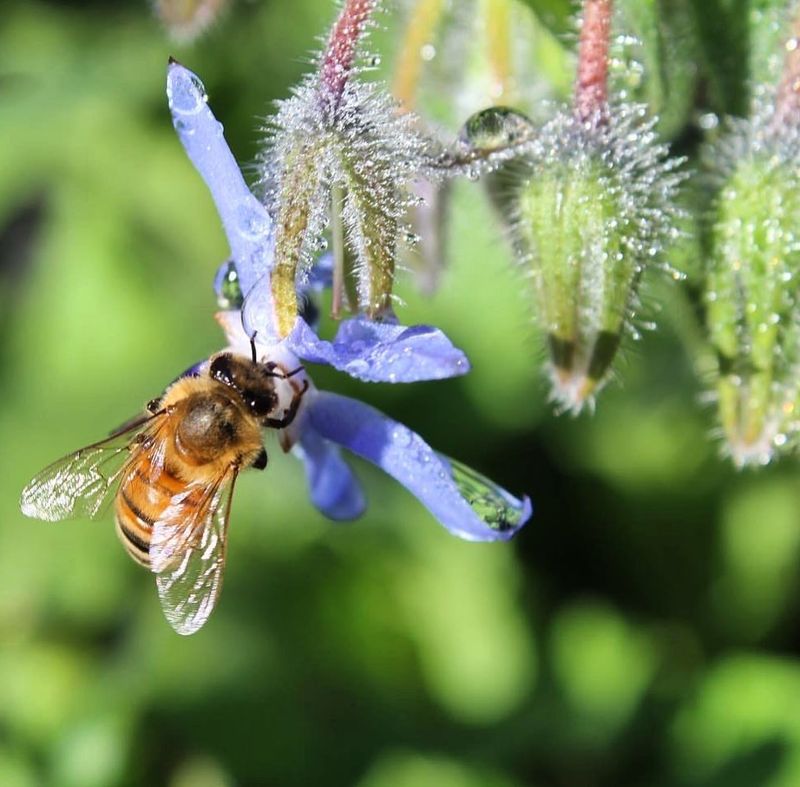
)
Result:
{"points": [[290, 412], [261, 460]]}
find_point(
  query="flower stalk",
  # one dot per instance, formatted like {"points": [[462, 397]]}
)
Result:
{"points": [[341, 51], [591, 84]]}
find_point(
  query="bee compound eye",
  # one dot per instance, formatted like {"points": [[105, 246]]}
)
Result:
{"points": [[221, 370], [260, 404]]}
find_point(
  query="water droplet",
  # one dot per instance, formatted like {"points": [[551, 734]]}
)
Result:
{"points": [[496, 128], [401, 437], [186, 94], [492, 504], [357, 367], [708, 121], [252, 220], [428, 52]]}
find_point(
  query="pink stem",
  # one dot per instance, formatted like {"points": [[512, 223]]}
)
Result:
{"points": [[591, 86], [341, 51]]}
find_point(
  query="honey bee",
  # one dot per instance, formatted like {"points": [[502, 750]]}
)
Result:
{"points": [[174, 469]]}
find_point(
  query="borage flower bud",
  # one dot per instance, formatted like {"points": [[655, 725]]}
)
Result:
{"points": [[593, 209], [753, 313]]}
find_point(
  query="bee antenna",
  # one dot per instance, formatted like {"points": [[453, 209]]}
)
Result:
{"points": [[253, 346]]}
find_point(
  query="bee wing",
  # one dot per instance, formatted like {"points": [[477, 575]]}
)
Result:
{"points": [[79, 484], [187, 551]]}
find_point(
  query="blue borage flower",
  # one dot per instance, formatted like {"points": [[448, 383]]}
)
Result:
{"points": [[466, 503]]}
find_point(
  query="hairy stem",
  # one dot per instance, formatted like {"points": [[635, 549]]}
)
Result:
{"points": [[341, 50]]}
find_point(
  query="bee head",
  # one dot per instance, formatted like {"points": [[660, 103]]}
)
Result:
{"points": [[253, 382]]}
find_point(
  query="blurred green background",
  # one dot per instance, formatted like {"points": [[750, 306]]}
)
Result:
{"points": [[642, 630]]}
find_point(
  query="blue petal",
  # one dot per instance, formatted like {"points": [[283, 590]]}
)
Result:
{"points": [[381, 352], [246, 221], [467, 504], [334, 489]]}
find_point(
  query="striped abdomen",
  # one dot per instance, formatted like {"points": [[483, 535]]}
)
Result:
{"points": [[142, 497]]}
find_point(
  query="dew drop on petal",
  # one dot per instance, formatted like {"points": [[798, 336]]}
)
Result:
{"points": [[401, 437], [252, 220], [187, 96], [357, 367], [490, 502]]}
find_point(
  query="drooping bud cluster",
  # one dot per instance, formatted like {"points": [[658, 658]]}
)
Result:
{"points": [[340, 155]]}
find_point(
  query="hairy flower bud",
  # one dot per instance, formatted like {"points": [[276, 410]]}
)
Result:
{"points": [[593, 211], [753, 313]]}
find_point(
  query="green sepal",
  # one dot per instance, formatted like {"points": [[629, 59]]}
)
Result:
{"points": [[751, 309], [584, 278], [372, 226], [301, 192]]}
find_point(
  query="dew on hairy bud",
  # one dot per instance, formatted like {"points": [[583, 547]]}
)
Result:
{"points": [[364, 151], [752, 319], [594, 210]]}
